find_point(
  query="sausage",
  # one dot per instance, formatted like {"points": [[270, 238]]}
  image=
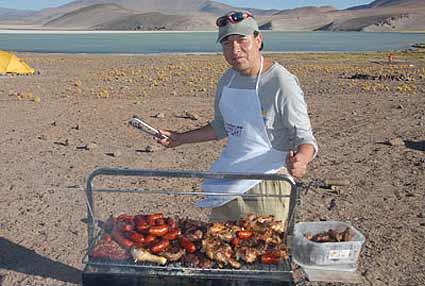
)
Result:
{"points": [[143, 228], [127, 227], [160, 221], [160, 246], [122, 241], [244, 234], [141, 224], [135, 236], [187, 244], [270, 258], [153, 217], [149, 239], [172, 223], [158, 230], [173, 234], [139, 219]]}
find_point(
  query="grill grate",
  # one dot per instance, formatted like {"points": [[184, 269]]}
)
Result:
{"points": [[126, 272]]}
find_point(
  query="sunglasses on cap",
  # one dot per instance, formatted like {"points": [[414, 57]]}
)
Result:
{"points": [[233, 18]]}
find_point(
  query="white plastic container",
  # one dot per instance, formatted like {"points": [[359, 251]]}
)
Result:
{"points": [[337, 256]]}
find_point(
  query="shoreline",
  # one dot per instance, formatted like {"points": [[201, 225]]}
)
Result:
{"points": [[199, 53], [38, 31]]}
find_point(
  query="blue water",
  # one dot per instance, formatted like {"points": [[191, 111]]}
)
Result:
{"points": [[204, 42]]}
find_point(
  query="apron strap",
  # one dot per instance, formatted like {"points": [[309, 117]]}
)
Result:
{"points": [[259, 73]]}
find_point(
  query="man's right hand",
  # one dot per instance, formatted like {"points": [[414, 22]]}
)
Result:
{"points": [[174, 139]]}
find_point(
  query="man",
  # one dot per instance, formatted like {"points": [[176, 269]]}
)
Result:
{"points": [[260, 107]]}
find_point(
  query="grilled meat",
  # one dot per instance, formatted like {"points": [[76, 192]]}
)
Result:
{"points": [[109, 250], [140, 255], [191, 260], [331, 236], [174, 254], [158, 239], [249, 255], [194, 234]]}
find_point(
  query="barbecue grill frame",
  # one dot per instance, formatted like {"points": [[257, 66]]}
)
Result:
{"points": [[148, 274]]}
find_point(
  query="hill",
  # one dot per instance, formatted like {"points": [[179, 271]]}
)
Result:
{"points": [[378, 16], [155, 21], [89, 16]]}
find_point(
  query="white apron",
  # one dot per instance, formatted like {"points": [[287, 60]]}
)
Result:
{"points": [[248, 149]]}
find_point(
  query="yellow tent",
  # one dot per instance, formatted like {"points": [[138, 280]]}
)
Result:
{"points": [[9, 63]]}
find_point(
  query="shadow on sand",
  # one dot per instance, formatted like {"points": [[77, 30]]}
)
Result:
{"points": [[20, 259]]}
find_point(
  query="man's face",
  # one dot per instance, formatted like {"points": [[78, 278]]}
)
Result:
{"points": [[243, 52]]}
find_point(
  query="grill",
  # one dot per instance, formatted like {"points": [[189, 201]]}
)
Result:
{"points": [[125, 272]]}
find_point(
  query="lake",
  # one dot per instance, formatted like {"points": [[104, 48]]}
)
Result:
{"points": [[199, 42]]}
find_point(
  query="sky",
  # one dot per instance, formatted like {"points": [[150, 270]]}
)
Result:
{"points": [[263, 4]]}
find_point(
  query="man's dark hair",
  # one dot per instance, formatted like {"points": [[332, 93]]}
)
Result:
{"points": [[256, 33]]}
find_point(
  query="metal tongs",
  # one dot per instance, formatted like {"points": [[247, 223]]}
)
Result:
{"points": [[141, 125]]}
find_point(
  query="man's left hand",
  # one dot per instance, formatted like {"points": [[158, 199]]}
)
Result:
{"points": [[297, 164]]}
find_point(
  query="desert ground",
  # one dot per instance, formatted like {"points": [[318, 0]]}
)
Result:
{"points": [[70, 118]]}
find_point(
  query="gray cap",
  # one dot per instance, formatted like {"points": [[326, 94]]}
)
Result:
{"points": [[245, 27]]}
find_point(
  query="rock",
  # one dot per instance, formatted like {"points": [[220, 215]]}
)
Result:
{"points": [[76, 127], [64, 143], [147, 149], [158, 115], [187, 115], [89, 146], [332, 204], [37, 99], [115, 154], [396, 142]]}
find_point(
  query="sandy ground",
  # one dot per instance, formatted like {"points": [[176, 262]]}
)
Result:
{"points": [[71, 118]]}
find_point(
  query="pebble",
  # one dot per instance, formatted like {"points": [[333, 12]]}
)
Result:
{"points": [[62, 143], [158, 115], [116, 153], [189, 115], [332, 204], [76, 127], [91, 146]]}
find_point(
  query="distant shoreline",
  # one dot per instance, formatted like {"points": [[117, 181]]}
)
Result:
{"points": [[35, 31], [15, 31]]}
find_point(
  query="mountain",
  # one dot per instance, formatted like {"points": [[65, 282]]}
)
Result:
{"points": [[89, 16], [7, 14], [389, 3], [299, 19], [379, 15], [157, 21]]}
